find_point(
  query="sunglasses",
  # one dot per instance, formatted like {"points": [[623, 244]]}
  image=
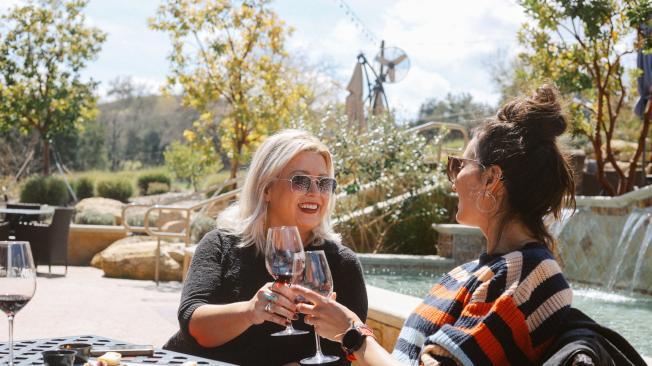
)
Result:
{"points": [[455, 164], [302, 183]]}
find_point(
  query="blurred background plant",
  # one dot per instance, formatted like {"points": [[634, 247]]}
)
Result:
{"points": [[388, 196]]}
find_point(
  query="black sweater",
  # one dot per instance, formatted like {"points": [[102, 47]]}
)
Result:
{"points": [[222, 273]]}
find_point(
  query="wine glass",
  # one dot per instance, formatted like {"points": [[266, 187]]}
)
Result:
{"points": [[317, 277], [284, 261], [17, 282]]}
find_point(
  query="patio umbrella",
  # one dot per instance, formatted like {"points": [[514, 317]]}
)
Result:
{"points": [[354, 102]]}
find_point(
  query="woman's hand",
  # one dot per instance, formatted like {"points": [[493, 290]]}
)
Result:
{"points": [[330, 319], [272, 303]]}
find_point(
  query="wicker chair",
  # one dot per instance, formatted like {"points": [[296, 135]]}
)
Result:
{"points": [[49, 242]]}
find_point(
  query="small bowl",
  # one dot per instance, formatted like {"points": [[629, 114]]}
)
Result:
{"points": [[61, 357], [82, 351]]}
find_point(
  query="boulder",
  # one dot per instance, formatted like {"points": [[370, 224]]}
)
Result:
{"points": [[134, 257], [103, 206]]}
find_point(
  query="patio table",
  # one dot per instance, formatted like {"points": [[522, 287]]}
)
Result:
{"points": [[15, 215], [28, 352]]}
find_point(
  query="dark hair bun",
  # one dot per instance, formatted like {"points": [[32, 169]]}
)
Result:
{"points": [[540, 114]]}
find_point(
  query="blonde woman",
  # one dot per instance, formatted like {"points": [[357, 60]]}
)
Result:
{"points": [[224, 312]]}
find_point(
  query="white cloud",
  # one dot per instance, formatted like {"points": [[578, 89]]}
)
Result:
{"points": [[448, 42]]}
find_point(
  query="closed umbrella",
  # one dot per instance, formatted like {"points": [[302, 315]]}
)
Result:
{"points": [[354, 102]]}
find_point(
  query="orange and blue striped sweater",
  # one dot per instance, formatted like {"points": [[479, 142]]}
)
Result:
{"points": [[497, 310]]}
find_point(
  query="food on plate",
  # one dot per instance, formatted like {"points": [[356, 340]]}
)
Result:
{"points": [[109, 359]]}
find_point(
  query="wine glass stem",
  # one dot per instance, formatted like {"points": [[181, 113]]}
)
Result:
{"points": [[318, 346], [11, 339]]}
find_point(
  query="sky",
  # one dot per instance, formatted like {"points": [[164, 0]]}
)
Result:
{"points": [[449, 43]]}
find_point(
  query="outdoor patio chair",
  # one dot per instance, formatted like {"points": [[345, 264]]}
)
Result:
{"points": [[49, 242], [4, 231]]}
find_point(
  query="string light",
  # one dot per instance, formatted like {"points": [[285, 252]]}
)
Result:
{"points": [[358, 23]]}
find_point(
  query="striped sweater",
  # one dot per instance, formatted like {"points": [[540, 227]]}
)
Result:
{"points": [[498, 310]]}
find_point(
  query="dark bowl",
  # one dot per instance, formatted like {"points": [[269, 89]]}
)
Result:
{"points": [[61, 357], [82, 350]]}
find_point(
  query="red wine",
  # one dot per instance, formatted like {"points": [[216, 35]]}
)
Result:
{"points": [[10, 304], [283, 278]]}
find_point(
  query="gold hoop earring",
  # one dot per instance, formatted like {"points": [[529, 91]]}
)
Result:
{"points": [[494, 202]]}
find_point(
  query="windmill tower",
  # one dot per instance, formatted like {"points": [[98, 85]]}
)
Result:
{"points": [[392, 64]]}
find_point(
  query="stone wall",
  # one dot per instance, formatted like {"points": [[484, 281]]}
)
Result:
{"points": [[84, 241]]}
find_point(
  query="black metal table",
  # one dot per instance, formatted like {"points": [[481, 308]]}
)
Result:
{"points": [[15, 215], [29, 352]]}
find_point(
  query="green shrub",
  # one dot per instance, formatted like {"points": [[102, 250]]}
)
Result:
{"points": [[138, 219], [374, 166], [144, 182], [90, 217], [200, 226], [117, 189], [157, 188], [84, 188], [45, 190]]}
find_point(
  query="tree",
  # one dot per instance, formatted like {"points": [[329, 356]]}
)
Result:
{"points": [[129, 98], [460, 108], [44, 46], [188, 164], [229, 60], [580, 46]]}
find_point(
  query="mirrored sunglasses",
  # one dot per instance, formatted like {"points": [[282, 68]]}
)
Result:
{"points": [[302, 183]]}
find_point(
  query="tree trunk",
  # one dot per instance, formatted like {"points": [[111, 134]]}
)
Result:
{"points": [[631, 176], [46, 157]]}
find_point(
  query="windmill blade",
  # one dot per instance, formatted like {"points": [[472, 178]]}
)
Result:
{"points": [[391, 73], [382, 60], [399, 59]]}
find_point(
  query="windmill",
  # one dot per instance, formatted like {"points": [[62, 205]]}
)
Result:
{"points": [[392, 64]]}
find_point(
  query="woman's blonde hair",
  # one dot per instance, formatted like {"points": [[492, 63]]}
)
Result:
{"points": [[247, 218]]}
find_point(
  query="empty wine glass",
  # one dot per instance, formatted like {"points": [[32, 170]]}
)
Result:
{"points": [[317, 277], [284, 260], [17, 282]]}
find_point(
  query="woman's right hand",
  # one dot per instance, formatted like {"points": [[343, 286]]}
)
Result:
{"points": [[330, 318], [272, 303]]}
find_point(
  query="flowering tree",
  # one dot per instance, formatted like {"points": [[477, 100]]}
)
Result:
{"points": [[580, 45], [229, 59]]}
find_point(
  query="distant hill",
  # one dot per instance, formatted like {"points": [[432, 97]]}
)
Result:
{"points": [[161, 114]]}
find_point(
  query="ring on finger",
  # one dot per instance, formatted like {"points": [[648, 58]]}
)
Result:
{"points": [[268, 307], [270, 296]]}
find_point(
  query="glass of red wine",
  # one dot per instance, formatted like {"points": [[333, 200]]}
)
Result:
{"points": [[317, 277], [284, 260], [17, 282]]}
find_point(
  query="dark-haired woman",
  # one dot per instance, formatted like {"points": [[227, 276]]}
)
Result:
{"points": [[504, 307]]}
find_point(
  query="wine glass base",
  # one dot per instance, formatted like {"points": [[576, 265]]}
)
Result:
{"points": [[318, 360], [289, 332]]}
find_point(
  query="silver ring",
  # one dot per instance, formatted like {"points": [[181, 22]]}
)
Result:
{"points": [[270, 296], [268, 307]]}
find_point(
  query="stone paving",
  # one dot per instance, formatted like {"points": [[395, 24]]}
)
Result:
{"points": [[85, 302]]}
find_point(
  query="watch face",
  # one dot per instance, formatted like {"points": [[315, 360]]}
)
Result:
{"points": [[352, 339]]}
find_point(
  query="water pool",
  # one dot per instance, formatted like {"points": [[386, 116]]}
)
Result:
{"points": [[630, 315]]}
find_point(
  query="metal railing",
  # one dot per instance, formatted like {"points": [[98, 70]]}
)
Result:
{"points": [[447, 128], [184, 234]]}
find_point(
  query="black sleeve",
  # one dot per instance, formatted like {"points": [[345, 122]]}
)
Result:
{"points": [[203, 279]]}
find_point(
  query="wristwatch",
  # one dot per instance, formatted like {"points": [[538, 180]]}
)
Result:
{"points": [[354, 338]]}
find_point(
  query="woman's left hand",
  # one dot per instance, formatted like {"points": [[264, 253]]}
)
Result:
{"points": [[330, 319]]}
